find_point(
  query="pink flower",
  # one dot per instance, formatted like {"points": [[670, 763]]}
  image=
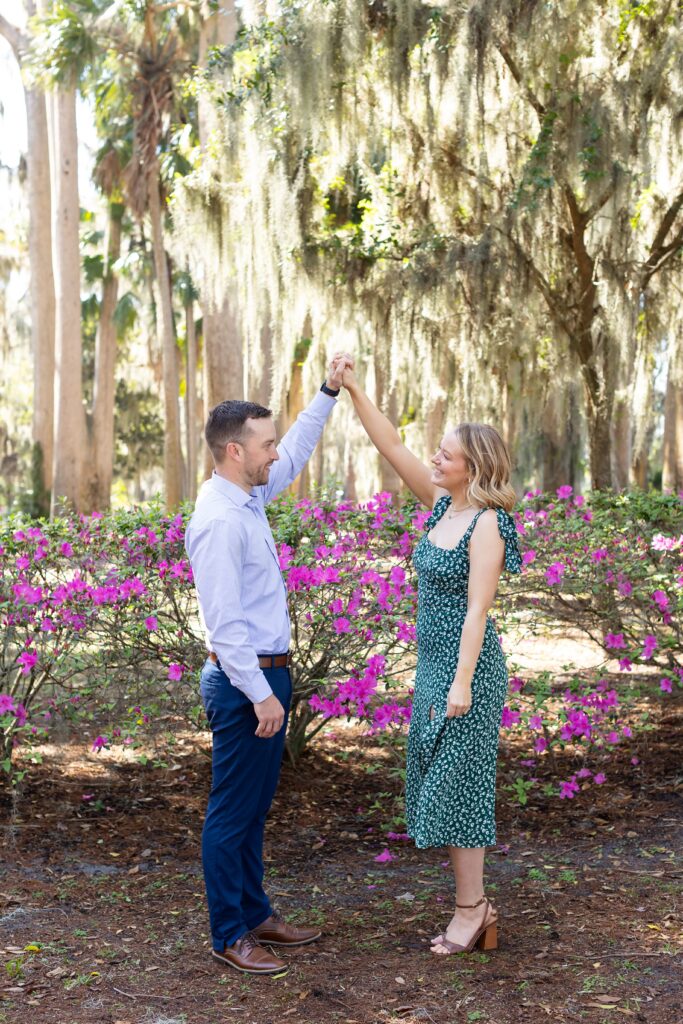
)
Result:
{"points": [[535, 722], [614, 640], [341, 626], [47, 625], [649, 647], [384, 857], [567, 789], [6, 704], [625, 665], [27, 660], [554, 573], [665, 685], [406, 631], [175, 672], [509, 718], [564, 492], [540, 744], [99, 742], [151, 623], [66, 549], [660, 599], [600, 778], [528, 556]]}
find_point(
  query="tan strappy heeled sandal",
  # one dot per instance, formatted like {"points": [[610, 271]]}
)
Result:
{"points": [[485, 938]]}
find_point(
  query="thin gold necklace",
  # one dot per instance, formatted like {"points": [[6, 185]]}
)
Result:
{"points": [[456, 512]]}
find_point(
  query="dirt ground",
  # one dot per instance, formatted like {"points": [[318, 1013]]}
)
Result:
{"points": [[103, 915]]}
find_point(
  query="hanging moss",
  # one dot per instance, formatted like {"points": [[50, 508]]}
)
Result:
{"points": [[415, 178]]}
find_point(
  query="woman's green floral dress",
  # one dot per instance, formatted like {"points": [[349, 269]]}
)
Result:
{"points": [[451, 769]]}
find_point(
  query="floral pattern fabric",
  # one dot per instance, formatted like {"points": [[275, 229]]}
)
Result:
{"points": [[451, 768]]}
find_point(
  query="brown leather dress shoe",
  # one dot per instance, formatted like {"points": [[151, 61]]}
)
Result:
{"points": [[276, 932], [248, 956]]}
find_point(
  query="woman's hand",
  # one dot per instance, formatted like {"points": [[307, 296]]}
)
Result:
{"points": [[459, 700], [340, 361], [349, 379]]}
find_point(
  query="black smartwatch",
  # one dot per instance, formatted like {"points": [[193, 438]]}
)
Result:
{"points": [[329, 391]]}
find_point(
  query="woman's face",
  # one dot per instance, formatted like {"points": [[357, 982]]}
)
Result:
{"points": [[450, 466]]}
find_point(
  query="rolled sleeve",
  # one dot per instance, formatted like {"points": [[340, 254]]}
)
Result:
{"points": [[296, 447], [217, 553]]}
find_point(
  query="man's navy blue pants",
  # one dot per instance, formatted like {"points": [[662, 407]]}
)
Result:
{"points": [[245, 774]]}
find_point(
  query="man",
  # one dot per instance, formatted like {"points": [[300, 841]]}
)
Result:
{"points": [[245, 683]]}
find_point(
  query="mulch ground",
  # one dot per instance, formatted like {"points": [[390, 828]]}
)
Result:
{"points": [[103, 915]]}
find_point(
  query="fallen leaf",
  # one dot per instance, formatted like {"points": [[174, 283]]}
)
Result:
{"points": [[399, 980]]}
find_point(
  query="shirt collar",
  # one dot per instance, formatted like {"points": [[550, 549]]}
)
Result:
{"points": [[236, 494]]}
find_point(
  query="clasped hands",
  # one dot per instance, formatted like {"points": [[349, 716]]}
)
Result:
{"points": [[341, 361]]}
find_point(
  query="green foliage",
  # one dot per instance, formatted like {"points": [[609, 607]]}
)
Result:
{"points": [[537, 176], [139, 430], [64, 44]]}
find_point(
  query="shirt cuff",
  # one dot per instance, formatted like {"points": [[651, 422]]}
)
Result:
{"points": [[260, 690], [252, 683], [323, 401]]}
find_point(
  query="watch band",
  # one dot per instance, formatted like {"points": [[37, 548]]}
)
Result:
{"points": [[329, 391]]}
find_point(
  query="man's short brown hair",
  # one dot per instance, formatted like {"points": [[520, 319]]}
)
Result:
{"points": [[227, 422]]}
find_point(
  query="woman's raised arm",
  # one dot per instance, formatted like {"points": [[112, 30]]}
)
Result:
{"points": [[388, 443]]}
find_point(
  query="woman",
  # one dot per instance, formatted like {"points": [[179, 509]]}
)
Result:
{"points": [[461, 679]]}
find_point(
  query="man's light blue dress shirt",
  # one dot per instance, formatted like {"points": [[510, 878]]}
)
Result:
{"points": [[242, 595]]}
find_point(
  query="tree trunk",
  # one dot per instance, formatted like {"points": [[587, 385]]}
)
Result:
{"points": [[599, 404], [672, 469], [434, 426], [191, 401], [555, 446], [42, 293], [223, 357], [260, 390], [385, 397], [173, 456], [223, 362], [69, 429], [41, 281], [621, 444], [294, 405], [104, 389]]}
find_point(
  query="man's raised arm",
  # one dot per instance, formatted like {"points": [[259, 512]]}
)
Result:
{"points": [[297, 445]]}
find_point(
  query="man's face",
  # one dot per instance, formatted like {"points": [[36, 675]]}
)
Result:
{"points": [[258, 451]]}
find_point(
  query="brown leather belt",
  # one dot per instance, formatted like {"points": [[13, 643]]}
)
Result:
{"points": [[264, 660]]}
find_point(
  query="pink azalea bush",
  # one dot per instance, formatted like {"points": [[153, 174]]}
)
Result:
{"points": [[95, 611], [100, 626], [613, 568]]}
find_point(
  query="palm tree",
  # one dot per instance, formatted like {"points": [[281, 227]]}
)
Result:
{"points": [[42, 289]]}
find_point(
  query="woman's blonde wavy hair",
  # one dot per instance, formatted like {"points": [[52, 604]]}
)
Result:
{"points": [[488, 462]]}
